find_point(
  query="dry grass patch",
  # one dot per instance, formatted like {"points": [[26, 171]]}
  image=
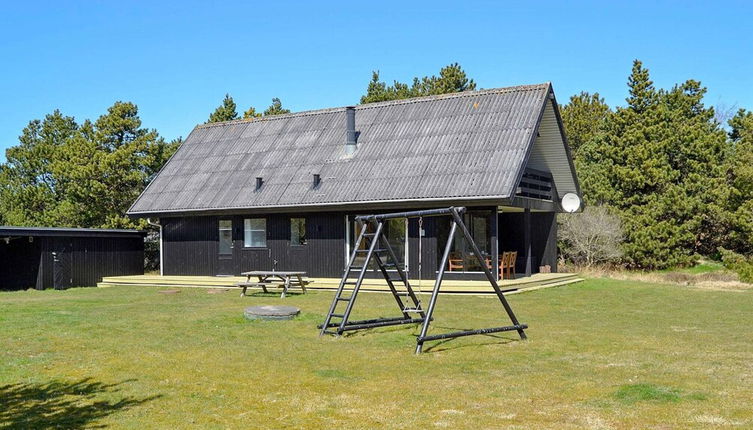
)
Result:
{"points": [[707, 275]]}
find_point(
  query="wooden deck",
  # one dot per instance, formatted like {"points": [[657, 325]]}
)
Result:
{"points": [[510, 286]]}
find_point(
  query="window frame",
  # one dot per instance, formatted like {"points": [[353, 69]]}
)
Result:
{"points": [[248, 231]]}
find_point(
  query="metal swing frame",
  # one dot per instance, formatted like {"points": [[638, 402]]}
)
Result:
{"points": [[406, 294]]}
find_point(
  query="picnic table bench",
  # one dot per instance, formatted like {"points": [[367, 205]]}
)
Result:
{"points": [[267, 278]]}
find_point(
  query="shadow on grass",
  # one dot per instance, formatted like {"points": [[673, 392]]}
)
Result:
{"points": [[53, 405], [450, 344], [437, 345], [381, 330]]}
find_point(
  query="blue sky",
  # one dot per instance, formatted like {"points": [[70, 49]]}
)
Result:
{"points": [[176, 60]]}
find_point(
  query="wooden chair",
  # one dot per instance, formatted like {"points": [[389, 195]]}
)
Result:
{"points": [[454, 263], [507, 264]]}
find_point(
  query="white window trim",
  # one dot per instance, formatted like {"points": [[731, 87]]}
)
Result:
{"points": [[347, 241], [251, 230]]}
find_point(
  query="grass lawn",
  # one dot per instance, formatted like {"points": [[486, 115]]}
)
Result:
{"points": [[601, 354], [704, 266]]}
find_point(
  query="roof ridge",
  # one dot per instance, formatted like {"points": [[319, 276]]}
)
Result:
{"points": [[421, 99], [500, 90]]}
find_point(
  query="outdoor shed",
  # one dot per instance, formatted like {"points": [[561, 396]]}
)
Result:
{"points": [[41, 257]]}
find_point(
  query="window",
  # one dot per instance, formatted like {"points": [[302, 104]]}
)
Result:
{"points": [[396, 232], [226, 237], [461, 256], [255, 233], [297, 231]]}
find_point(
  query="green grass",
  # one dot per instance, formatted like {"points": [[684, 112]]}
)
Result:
{"points": [[600, 354], [634, 393], [705, 266]]}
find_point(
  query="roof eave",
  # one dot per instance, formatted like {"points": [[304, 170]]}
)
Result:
{"points": [[13, 231], [531, 142], [561, 126], [333, 206]]}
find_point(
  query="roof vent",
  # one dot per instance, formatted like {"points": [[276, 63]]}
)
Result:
{"points": [[259, 182], [350, 130], [317, 180]]}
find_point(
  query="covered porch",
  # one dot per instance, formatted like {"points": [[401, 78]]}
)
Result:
{"points": [[515, 243]]}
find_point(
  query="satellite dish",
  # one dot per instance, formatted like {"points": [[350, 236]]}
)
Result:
{"points": [[570, 202]]}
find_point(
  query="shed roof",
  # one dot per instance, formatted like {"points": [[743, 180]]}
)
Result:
{"points": [[12, 231], [462, 146]]}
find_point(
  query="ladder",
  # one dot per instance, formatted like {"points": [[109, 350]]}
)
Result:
{"points": [[377, 249]]}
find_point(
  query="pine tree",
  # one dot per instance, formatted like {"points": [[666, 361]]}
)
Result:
{"points": [[740, 178], [451, 79], [276, 108], [659, 163], [127, 156], [224, 112], [30, 194], [70, 175], [584, 117], [251, 113], [642, 92]]}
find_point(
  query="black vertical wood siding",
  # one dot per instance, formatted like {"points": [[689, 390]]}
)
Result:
{"points": [[191, 244], [83, 261]]}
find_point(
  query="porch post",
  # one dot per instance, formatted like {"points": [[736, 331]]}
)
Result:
{"points": [[527, 239], [493, 230]]}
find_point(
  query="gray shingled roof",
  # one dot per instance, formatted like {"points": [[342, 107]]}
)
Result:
{"points": [[455, 146]]}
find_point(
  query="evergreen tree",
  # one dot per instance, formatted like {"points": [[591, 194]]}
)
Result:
{"points": [[126, 156], [224, 112], [451, 79], [29, 192], [70, 175], [584, 116], [740, 177], [276, 108], [251, 113], [659, 162]]}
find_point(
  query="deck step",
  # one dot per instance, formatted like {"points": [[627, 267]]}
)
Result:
{"points": [[329, 284]]}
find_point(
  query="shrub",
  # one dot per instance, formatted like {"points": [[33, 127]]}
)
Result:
{"points": [[591, 237], [738, 263]]}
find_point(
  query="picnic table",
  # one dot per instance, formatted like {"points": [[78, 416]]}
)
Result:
{"points": [[267, 278]]}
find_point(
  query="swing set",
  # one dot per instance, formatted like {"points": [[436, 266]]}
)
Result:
{"points": [[377, 249]]}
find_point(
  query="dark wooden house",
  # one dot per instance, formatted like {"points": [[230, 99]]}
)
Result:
{"points": [[249, 194], [42, 257]]}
